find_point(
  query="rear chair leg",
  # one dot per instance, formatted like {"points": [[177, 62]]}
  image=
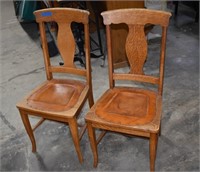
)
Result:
{"points": [[28, 128], [90, 99]]}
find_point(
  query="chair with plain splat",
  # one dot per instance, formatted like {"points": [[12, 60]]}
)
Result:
{"points": [[129, 109], [58, 98]]}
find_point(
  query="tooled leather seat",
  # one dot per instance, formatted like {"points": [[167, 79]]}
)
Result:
{"points": [[127, 106], [56, 95]]}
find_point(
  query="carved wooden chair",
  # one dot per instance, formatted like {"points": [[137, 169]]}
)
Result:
{"points": [[58, 98], [129, 109]]}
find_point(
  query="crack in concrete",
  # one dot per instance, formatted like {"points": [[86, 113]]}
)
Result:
{"points": [[6, 122], [23, 74]]}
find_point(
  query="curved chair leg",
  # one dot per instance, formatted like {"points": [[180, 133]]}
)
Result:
{"points": [[153, 148], [74, 131], [93, 143], [28, 128]]}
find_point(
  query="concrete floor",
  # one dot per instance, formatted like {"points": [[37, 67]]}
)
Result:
{"points": [[22, 69]]}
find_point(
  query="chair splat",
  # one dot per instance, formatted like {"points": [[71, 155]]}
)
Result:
{"points": [[136, 48], [66, 44]]}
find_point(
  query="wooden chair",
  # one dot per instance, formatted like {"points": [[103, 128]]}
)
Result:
{"points": [[126, 109], [60, 99]]}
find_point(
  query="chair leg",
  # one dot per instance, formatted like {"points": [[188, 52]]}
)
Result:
{"points": [[90, 99], [74, 132], [153, 148], [28, 128], [93, 143]]}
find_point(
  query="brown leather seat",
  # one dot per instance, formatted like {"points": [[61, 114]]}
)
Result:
{"points": [[131, 109], [56, 95], [127, 106], [58, 98]]}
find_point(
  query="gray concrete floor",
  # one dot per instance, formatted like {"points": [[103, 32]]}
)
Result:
{"points": [[22, 69]]}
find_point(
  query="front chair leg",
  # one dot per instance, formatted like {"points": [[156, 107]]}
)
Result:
{"points": [[153, 148], [28, 128], [74, 132], [93, 143]]}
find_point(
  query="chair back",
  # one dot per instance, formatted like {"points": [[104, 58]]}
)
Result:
{"points": [[66, 44], [136, 45]]}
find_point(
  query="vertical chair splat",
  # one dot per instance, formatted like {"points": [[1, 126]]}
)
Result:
{"points": [[136, 55], [67, 50]]}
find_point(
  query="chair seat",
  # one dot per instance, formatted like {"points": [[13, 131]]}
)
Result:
{"points": [[56, 95], [128, 107]]}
